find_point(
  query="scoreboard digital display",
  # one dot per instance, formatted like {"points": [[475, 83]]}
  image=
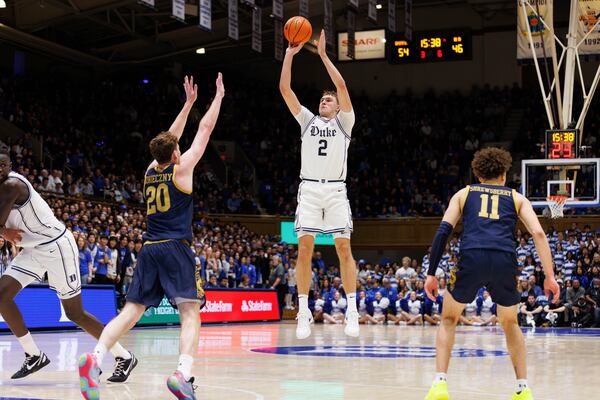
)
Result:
{"points": [[562, 144], [451, 45]]}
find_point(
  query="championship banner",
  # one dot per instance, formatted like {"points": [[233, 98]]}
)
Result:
{"points": [[278, 9], [303, 8], [205, 14], [232, 20], [178, 10], [351, 33], [257, 29], [587, 17], [353, 4], [328, 25], [541, 35], [408, 26], [372, 13], [278, 25], [149, 3], [392, 16]]}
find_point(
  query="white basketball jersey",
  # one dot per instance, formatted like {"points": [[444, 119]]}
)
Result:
{"points": [[34, 217], [325, 144]]}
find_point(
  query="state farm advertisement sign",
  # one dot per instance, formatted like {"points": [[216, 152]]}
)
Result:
{"points": [[368, 45], [240, 305]]}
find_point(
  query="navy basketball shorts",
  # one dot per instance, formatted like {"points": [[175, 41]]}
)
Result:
{"points": [[496, 270], [166, 268]]}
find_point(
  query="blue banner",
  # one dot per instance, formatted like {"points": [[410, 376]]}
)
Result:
{"points": [[42, 309]]}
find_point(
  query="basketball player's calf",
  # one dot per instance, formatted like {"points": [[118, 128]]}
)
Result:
{"points": [[348, 270]]}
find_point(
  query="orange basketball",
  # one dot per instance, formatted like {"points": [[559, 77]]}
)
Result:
{"points": [[297, 30]]}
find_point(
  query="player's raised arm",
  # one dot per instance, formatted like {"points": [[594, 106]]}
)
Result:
{"points": [[447, 225], [529, 218], [285, 80], [334, 74], [191, 94], [190, 158]]}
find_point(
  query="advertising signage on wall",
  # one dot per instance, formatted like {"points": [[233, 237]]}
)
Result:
{"points": [[368, 45]]}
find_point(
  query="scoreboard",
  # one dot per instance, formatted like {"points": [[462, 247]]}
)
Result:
{"points": [[562, 144], [448, 45]]}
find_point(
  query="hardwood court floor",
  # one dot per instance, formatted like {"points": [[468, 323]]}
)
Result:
{"points": [[263, 361]]}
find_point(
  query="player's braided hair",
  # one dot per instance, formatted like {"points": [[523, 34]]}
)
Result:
{"points": [[491, 163], [163, 146]]}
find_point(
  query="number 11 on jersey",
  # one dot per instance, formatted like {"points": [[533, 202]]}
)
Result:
{"points": [[485, 199]]}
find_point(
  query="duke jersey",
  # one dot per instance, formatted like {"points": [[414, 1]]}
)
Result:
{"points": [[338, 306], [490, 217], [169, 208], [35, 218], [325, 145]]}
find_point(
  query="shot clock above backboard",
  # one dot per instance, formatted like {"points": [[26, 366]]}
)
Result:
{"points": [[562, 144], [436, 46]]}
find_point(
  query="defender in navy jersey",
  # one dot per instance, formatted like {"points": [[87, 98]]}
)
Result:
{"points": [[489, 212], [166, 264]]}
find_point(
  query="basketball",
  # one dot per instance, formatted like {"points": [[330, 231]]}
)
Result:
{"points": [[297, 30]]}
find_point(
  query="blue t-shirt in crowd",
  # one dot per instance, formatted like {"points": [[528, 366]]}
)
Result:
{"points": [[85, 259], [102, 269]]}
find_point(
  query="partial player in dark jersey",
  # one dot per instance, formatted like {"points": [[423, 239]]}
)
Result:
{"points": [[166, 265], [489, 212]]}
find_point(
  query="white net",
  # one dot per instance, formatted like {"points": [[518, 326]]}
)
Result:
{"points": [[556, 206]]}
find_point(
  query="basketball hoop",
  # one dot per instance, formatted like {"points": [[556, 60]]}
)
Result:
{"points": [[556, 204]]}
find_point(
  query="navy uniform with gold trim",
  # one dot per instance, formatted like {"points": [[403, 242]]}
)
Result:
{"points": [[487, 252], [166, 264]]}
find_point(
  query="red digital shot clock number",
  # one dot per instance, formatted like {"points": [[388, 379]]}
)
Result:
{"points": [[562, 144]]}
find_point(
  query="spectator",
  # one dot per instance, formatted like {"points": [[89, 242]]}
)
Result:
{"points": [[86, 263], [413, 315], [593, 298], [102, 262], [380, 306], [334, 310], [530, 312], [277, 281]]}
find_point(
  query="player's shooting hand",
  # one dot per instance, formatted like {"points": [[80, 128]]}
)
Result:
{"points": [[294, 49], [220, 85], [12, 235], [191, 89], [322, 44], [431, 287], [550, 285]]}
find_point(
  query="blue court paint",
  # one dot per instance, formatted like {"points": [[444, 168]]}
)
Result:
{"points": [[486, 331], [375, 351]]}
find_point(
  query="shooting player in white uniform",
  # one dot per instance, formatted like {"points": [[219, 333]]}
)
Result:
{"points": [[323, 205]]}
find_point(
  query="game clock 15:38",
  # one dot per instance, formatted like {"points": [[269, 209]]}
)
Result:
{"points": [[452, 45], [562, 144]]}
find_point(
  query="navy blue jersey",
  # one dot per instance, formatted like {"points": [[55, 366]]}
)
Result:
{"points": [[489, 218], [169, 208]]}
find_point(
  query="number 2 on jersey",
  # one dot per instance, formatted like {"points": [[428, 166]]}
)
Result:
{"points": [[158, 198], [322, 148], [485, 199]]}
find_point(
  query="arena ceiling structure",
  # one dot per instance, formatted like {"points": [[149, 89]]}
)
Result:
{"points": [[121, 32]]}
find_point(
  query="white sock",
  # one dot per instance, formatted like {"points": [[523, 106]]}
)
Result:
{"points": [[185, 366], [440, 376], [29, 345], [119, 351], [100, 352], [351, 299], [521, 385], [303, 302]]}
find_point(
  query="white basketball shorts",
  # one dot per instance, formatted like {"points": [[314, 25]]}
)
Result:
{"points": [[60, 259], [323, 208]]}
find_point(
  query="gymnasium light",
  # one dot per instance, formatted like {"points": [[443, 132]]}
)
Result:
{"points": [[2, 4], [378, 6], [201, 50]]}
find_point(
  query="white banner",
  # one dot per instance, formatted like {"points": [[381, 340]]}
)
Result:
{"points": [[372, 13], [353, 4], [408, 26], [149, 3], [278, 40], [392, 15], [368, 45], [278, 9], [232, 20], [542, 37], [178, 11], [257, 29], [205, 14], [351, 15], [588, 16], [303, 8]]}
